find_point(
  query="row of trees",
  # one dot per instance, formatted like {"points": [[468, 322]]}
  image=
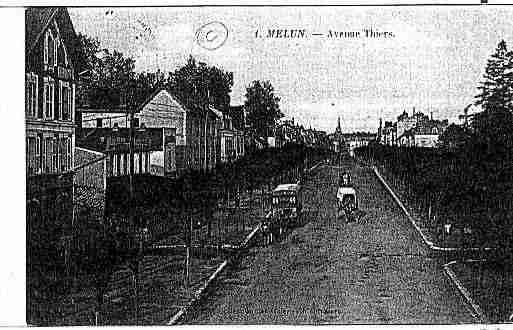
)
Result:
{"points": [[112, 80], [470, 178]]}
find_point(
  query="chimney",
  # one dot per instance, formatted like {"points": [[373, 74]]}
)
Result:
{"points": [[431, 115], [414, 111]]}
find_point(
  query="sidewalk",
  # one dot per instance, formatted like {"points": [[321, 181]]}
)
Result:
{"points": [[487, 287], [161, 290], [432, 235]]}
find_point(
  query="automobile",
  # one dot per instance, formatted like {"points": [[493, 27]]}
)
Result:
{"points": [[286, 206], [347, 203]]}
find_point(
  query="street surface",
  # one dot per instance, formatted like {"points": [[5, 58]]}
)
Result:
{"points": [[376, 271]]}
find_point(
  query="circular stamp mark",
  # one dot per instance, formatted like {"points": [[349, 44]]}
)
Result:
{"points": [[212, 35]]}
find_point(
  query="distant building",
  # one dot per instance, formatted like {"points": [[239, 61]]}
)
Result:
{"points": [[416, 130], [389, 133], [406, 122], [424, 135]]}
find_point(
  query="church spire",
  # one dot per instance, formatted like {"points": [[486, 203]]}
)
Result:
{"points": [[339, 129]]}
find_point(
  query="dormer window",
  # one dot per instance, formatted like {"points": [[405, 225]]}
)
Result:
{"points": [[62, 58], [50, 49]]}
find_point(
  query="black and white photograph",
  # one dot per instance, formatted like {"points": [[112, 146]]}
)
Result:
{"points": [[268, 165]]}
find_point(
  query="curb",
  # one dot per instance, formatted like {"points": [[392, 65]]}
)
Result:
{"points": [[199, 293], [315, 166], [476, 311], [430, 244]]}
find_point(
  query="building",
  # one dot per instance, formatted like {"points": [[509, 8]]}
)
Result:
{"points": [[417, 130], [154, 149], [389, 133], [236, 114], [53, 61], [406, 122], [194, 127], [230, 140], [424, 135]]}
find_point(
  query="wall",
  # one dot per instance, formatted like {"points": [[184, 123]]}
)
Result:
{"points": [[108, 119], [90, 173]]}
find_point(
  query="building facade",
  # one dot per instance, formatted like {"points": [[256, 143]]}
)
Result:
{"points": [[230, 140], [153, 149], [52, 64]]}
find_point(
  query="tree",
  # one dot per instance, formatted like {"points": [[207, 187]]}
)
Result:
{"points": [[263, 110], [111, 76], [200, 84], [494, 125], [496, 88], [454, 137], [145, 83]]}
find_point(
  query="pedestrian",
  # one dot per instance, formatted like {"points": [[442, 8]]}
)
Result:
{"points": [[265, 233]]}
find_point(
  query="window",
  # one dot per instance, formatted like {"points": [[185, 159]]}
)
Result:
{"points": [[64, 154], [48, 155], [111, 165], [125, 171], [58, 109], [123, 164], [31, 95], [99, 122], [39, 147], [115, 165], [66, 102], [69, 153], [31, 155], [136, 163], [50, 49], [62, 58], [48, 97], [118, 161], [55, 155]]}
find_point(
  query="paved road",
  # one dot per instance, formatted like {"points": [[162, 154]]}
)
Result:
{"points": [[376, 271]]}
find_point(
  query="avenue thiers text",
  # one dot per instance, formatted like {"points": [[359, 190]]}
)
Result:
{"points": [[303, 33]]}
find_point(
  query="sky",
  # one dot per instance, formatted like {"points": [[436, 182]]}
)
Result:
{"points": [[434, 62]]}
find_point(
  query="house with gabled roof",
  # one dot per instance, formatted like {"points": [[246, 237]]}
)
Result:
{"points": [[194, 127]]}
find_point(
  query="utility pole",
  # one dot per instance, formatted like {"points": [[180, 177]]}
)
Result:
{"points": [[136, 226], [188, 233], [131, 172]]}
